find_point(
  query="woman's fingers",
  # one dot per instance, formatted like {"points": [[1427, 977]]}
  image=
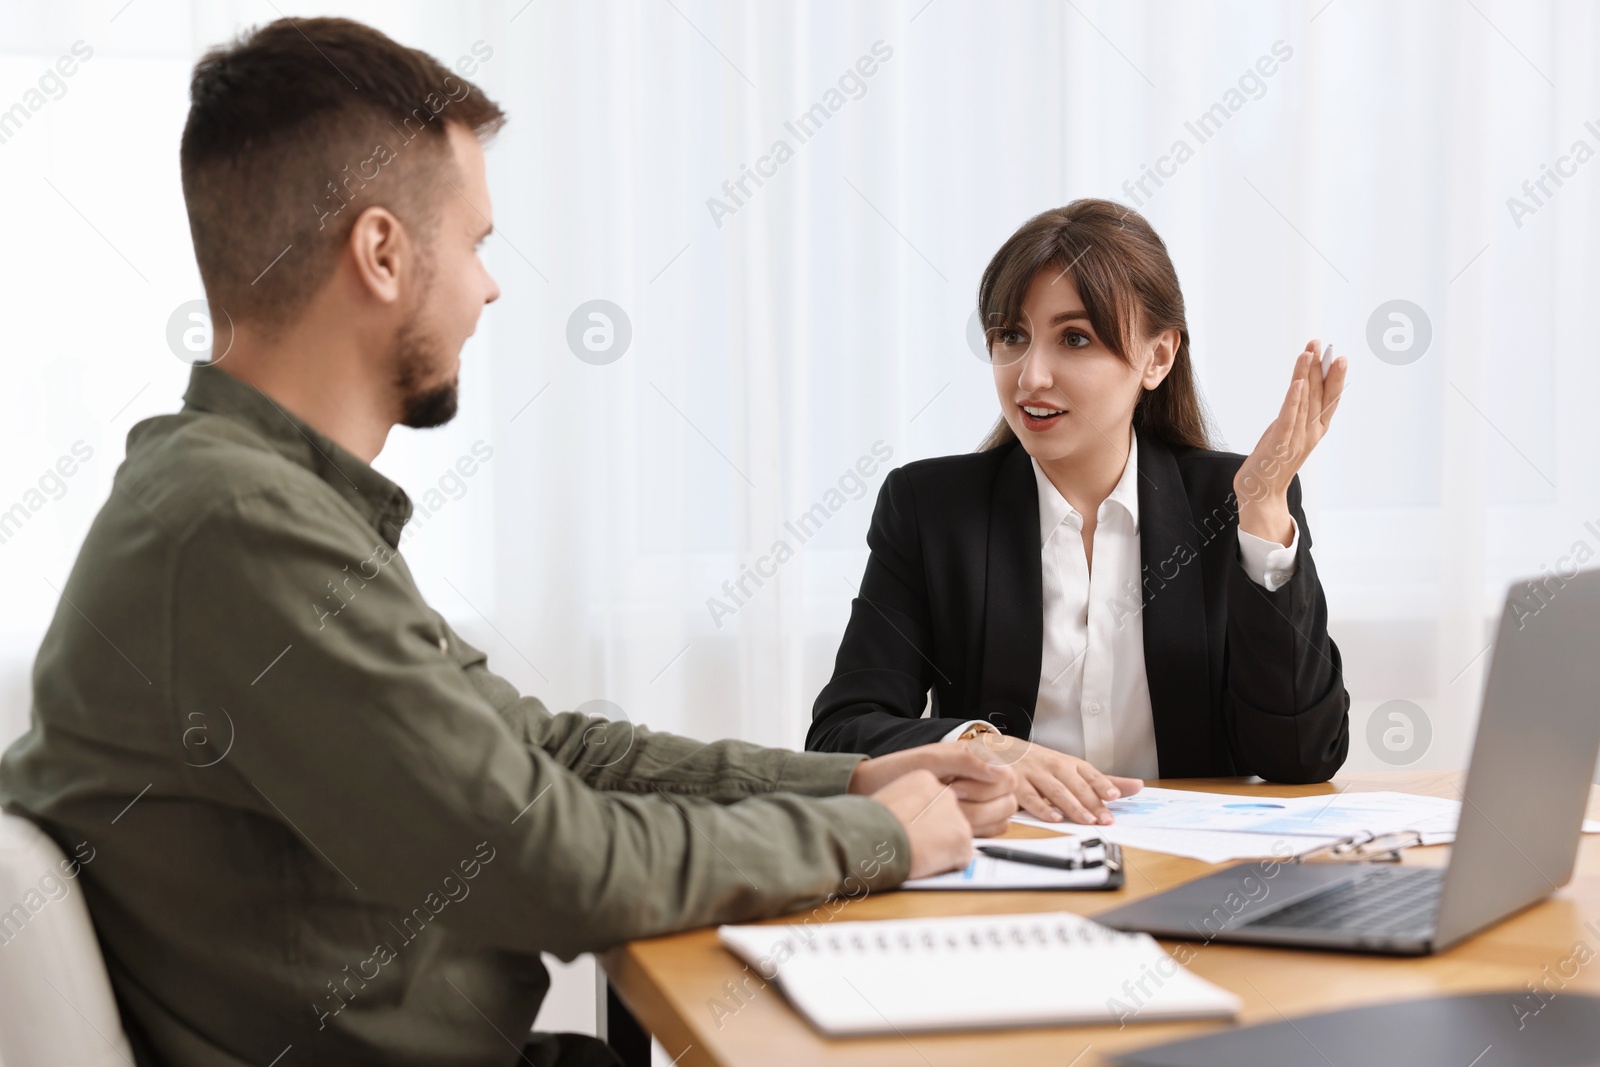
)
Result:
{"points": [[1281, 442], [1030, 800], [1333, 391], [1064, 787], [1297, 431], [1057, 793], [1089, 807], [1102, 786], [1291, 400], [1302, 419], [1316, 387]]}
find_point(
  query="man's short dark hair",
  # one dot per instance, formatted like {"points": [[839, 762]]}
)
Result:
{"points": [[296, 128]]}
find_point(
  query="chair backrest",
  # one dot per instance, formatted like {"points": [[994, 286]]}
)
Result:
{"points": [[56, 1005]]}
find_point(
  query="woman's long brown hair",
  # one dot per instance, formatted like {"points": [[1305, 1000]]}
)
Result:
{"points": [[1129, 289]]}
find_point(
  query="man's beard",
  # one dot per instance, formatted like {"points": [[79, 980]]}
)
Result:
{"points": [[422, 406]]}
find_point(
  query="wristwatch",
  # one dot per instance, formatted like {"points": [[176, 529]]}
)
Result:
{"points": [[976, 728]]}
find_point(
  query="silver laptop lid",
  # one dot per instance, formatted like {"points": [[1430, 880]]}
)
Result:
{"points": [[1538, 737]]}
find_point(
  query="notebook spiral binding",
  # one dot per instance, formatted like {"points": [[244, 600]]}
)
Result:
{"points": [[1036, 935]]}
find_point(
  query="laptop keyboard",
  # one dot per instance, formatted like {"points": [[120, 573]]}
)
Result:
{"points": [[1387, 901]]}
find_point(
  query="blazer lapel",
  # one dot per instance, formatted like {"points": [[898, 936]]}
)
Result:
{"points": [[1013, 608], [1174, 615]]}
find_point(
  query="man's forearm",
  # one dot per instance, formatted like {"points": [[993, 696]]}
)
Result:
{"points": [[618, 755], [635, 759]]}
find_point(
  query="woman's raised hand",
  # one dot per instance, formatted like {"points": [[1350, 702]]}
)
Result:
{"points": [[1262, 484]]}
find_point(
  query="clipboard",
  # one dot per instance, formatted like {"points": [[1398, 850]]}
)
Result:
{"points": [[989, 873]]}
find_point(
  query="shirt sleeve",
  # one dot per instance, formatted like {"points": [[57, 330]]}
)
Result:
{"points": [[1268, 563], [617, 754], [364, 734]]}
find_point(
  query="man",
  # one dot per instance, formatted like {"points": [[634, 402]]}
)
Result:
{"points": [[322, 832]]}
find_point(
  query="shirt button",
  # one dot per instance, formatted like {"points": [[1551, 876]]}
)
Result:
{"points": [[1094, 709], [444, 646]]}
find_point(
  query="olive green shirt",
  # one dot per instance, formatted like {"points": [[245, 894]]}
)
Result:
{"points": [[320, 828]]}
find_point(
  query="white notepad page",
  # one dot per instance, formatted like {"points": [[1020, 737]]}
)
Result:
{"points": [[973, 972]]}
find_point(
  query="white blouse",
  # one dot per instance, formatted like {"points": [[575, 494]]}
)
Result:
{"points": [[1094, 697]]}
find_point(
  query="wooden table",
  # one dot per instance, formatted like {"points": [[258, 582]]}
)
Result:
{"points": [[668, 984]]}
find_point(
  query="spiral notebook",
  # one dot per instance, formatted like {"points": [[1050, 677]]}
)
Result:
{"points": [[973, 973]]}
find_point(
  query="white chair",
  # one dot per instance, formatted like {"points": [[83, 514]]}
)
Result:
{"points": [[56, 1005]]}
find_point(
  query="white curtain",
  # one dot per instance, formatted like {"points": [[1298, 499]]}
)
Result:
{"points": [[788, 336]]}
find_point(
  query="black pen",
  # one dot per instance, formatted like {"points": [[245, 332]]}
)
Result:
{"points": [[1016, 855]]}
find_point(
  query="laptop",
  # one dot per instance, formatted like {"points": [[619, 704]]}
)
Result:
{"points": [[1521, 813]]}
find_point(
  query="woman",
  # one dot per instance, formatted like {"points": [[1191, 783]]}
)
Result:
{"points": [[1095, 596]]}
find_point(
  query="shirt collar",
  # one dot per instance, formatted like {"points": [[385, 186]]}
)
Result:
{"points": [[379, 501], [1054, 509]]}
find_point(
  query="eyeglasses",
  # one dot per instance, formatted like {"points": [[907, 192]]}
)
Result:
{"points": [[1364, 848]]}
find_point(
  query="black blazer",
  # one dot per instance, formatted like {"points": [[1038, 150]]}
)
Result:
{"points": [[1242, 681]]}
